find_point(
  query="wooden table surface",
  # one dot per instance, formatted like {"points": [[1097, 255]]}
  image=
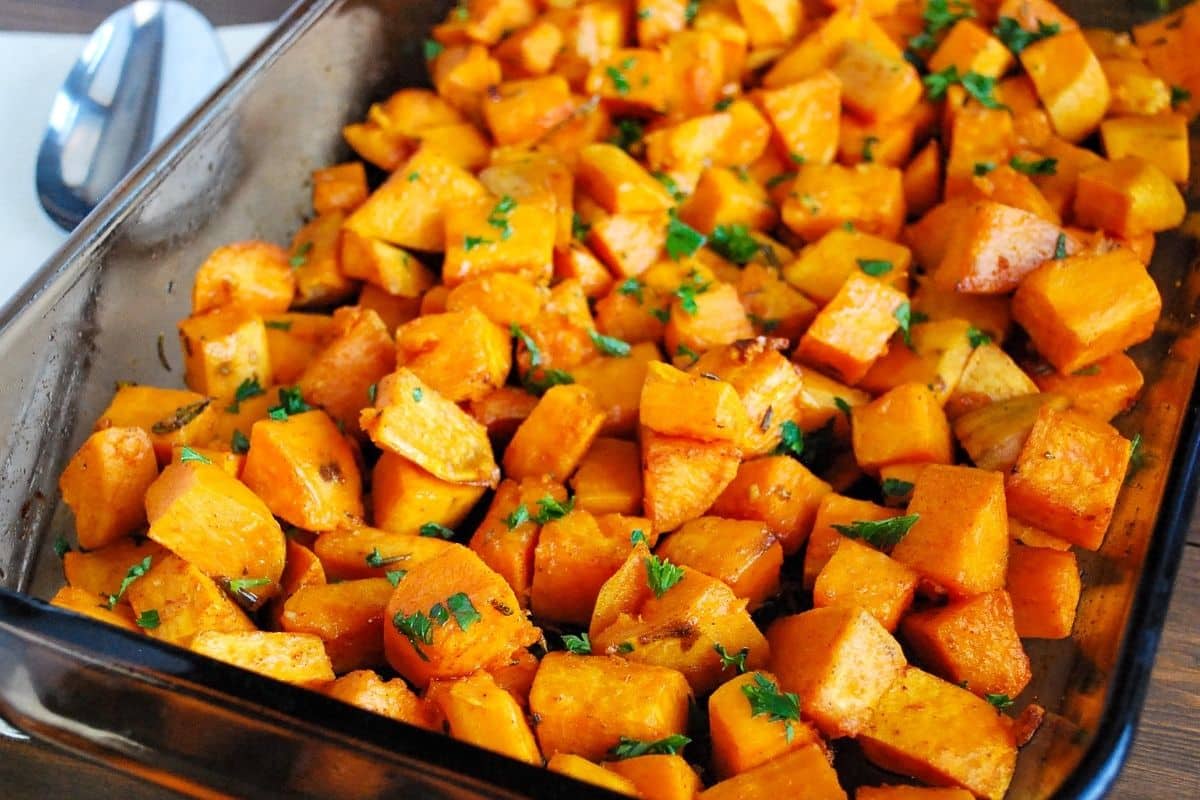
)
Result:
{"points": [[1166, 756]]}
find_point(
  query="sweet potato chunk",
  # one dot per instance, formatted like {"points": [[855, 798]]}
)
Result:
{"points": [[341, 187], [876, 86], [1104, 389], [618, 183], [86, 603], [1127, 197], [346, 616], [315, 258], [744, 555], [911, 793], [659, 777], [339, 378], [804, 116], [778, 491], [505, 298], [480, 712], [581, 769], [609, 478], [573, 559], [823, 197], [365, 689], [585, 704], [742, 739], [350, 554], [858, 575], [254, 275], [463, 355], [675, 403], [714, 317], [991, 247], [905, 425], [171, 416], [290, 657], [803, 774], [405, 497], [187, 602], [1069, 81], [305, 471], [822, 267], [834, 509], [1068, 475], [682, 477], [993, 434], [386, 266], [1045, 586], [202, 514], [100, 572], [223, 348], [104, 482], [852, 331], [413, 420], [499, 234], [556, 435], [506, 538], [452, 615]]}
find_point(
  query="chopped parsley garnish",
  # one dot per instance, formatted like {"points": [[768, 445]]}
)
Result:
{"points": [[798, 159], [763, 324], [148, 619], [1000, 701], [61, 546], [632, 748], [868, 149], [279, 324], [291, 402], [978, 86], [874, 266], [638, 537], [535, 354], [436, 531], [983, 168], [625, 647], [1042, 166], [723, 104], [879, 533], [903, 314], [737, 660], [463, 610], [187, 456], [499, 217], [683, 351], [842, 405], [300, 257], [1060, 247], [609, 345], [519, 516], [894, 487], [939, 15], [439, 613], [734, 242], [1179, 96], [580, 645], [136, 571], [782, 177], [682, 239], [677, 194], [376, 559], [418, 394], [617, 75], [1137, 456], [766, 699], [687, 292], [1016, 38], [544, 379], [433, 49], [579, 228], [1091, 369], [791, 440], [394, 576], [248, 388], [629, 133], [976, 337], [239, 443], [471, 242], [660, 314], [550, 509], [661, 575], [417, 628], [413, 177], [690, 11], [180, 418], [239, 585], [632, 287]]}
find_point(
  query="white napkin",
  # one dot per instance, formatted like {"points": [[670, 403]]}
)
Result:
{"points": [[35, 66]]}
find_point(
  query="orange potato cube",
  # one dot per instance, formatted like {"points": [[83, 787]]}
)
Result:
{"points": [[911, 793], [384, 265], [1161, 140], [578, 263], [297, 658], [743, 554], [778, 491], [770, 23], [462, 75], [852, 331], [993, 434], [859, 576], [1082, 309], [631, 80], [941, 734], [683, 150], [364, 689], [531, 50], [573, 559], [490, 234], [104, 483], [718, 318], [253, 274], [697, 61], [302, 568], [618, 183], [346, 616], [405, 497], [375, 144], [936, 358], [211, 519], [991, 248], [834, 509], [1127, 197], [99, 572], [340, 376], [542, 178], [746, 139], [803, 774], [616, 384], [187, 602], [804, 117], [659, 777], [583, 770], [305, 471], [461, 354], [520, 112], [629, 244], [973, 643], [1069, 82], [295, 338], [480, 712], [839, 660], [970, 48], [902, 426], [506, 538], [1068, 475], [315, 259], [479, 623], [978, 135], [960, 539], [223, 348], [743, 740], [354, 553], [502, 411], [875, 85], [824, 44], [504, 298], [822, 267], [341, 187], [990, 375], [722, 197], [586, 703], [888, 142], [771, 305], [556, 435], [824, 197], [988, 313], [1044, 585], [609, 478], [86, 603], [413, 420], [1104, 389], [682, 477], [675, 403]]}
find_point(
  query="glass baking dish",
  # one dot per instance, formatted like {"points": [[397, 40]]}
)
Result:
{"points": [[89, 709]]}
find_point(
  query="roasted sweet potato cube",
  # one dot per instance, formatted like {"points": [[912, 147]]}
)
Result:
{"points": [[541, 178], [609, 478], [875, 85], [970, 48], [684, 149], [679, 629], [1069, 81], [350, 554], [515, 676], [410, 211], [1128, 196], [911, 793], [659, 777], [290, 657], [295, 338], [405, 497], [992, 247], [778, 491], [364, 689], [341, 187], [741, 739], [480, 712], [977, 135], [383, 264], [904, 425], [990, 375], [346, 616], [104, 483], [618, 183], [822, 267], [682, 477], [743, 554], [853, 330], [973, 643], [462, 75], [556, 435], [771, 304], [578, 263], [1023, 533], [586, 771], [504, 298], [629, 243], [100, 572], [834, 509], [994, 434], [722, 197], [452, 615], [413, 420], [818, 404], [960, 539], [340, 376], [839, 660], [1161, 140], [988, 313], [675, 403], [461, 354], [1044, 585], [1010, 187], [88, 604], [305, 471], [936, 358], [1104, 389], [211, 519], [586, 703], [941, 734], [631, 80], [573, 559], [804, 117], [187, 602], [530, 50], [803, 774], [302, 568], [859, 576], [223, 348], [491, 234], [506, 538], [253, 274], [706, 319], [823, 45], [770, 23], [1081, 309], [520, 112], [315, 259], [1068, 475], [616, 384], [824, 197]]}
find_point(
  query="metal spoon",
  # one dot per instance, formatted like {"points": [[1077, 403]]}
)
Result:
{"points": [[140, 73]]}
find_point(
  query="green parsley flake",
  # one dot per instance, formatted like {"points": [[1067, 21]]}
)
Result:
{"points": [[842, 405], [278, 324], [687, 292], [463, 610], [188, 456], [61, 546], [580, 645], [629, 133], [677, 194], [683, 351], [661, 575], [737, 660], [550, 509], [1000, 701], [638, 537], [1042, 166], [882, 533], [633, 288], [148, 619], [417, 628], [1016, 38], [939, 15], [579, 228], [976, 337], [519, 516], [765, 699], [903, 315], [240, 585], [682, 239], [535, 354], [609, 345], [433, 49], [1060, 247], [894, 487], [868, 149], [983, 168], [1179, 96], [394, 576], [471, 242], [372, 392], [1091, 369], [300, 257], [978, 86], [436, 531], [418, 394], [633, 748], [248, 388], [791, 440], [619, 81], [1137, 456], [874, 266], [291, 403], [136, 571], [734, 243]]}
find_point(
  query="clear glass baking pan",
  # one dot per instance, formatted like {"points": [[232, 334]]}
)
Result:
{"points": [[89, 710]]}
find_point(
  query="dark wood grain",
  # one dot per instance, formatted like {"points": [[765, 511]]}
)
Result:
{"points": [[82, 16]]}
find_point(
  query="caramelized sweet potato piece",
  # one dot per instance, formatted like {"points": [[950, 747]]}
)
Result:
{"points": [[903, 426], [743, 555], [351, 554], [339, 378], [86, 603], [803, 774], [480, 712], [104, 482], [346, 616], [393, 698], [186, 601], [659, 777], [609, 478], [1044, 585], [853, 330], [581, 769], [573, 559], [341, 187], [255, 275], [859, 576], [743, 739], [290, 657], [556, 435], [405, 497], [100, 572], [675, 403], [463, 355], [507, 536], [682, 477]]}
